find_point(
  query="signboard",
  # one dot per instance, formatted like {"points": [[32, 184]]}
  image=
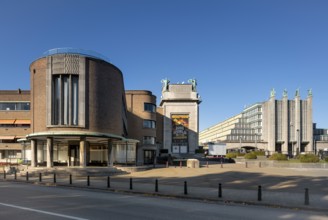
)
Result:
{"points": [[180, 124], [217, 149], [175, 149]]}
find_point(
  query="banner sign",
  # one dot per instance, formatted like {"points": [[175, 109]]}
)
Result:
{"points": [[180, 124]]}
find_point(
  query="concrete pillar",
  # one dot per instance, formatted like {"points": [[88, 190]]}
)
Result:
{"points": [[50, 152], [34, 152], [83, 153], [298, 130], [272, 123], [285, 125], [309, 124], [110, 153]]}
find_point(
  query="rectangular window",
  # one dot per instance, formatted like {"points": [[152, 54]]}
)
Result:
{"points": [[56, 100], [148, 140], [65, 99], [149, 107], [75, 100], [149, 124], [14, 106]]}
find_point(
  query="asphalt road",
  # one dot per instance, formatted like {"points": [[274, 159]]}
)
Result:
{"points": [[27, 201]]}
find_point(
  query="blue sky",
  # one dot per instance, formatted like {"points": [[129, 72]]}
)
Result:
{"points": [[238, 50]]}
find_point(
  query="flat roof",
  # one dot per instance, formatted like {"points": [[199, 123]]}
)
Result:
{"points": [[82, 52]]}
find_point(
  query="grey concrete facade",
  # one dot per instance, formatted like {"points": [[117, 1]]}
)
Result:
{"points": [[280, 126], [180, 103]]}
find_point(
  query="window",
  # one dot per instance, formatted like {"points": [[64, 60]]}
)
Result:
{"points": [[149, 124], [149, 107], [14, 106], [148, 140], [65, 99]]}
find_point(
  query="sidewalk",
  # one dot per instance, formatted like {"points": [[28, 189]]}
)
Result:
{"points": [[279, 187], [245, 196]]}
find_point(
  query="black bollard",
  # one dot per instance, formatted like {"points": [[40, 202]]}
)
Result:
{"points": [[40, 177], [108, 182], [88, 180], [307, 199], [55, 179], [4, 174], [185, 188], [26, 176], [156, 185], [70, 179], [259, 193], [220, 190], [131, 183], [15, 175]]}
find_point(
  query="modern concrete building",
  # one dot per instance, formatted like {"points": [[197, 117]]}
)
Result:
{"points": [[274, 126], [180, 110]]}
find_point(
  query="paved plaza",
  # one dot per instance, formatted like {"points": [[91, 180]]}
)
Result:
{"points": [[280, 187]]}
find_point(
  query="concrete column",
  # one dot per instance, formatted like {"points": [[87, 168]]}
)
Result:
{"points": [[309, 124], [50, 152], [272, 124], [298, 130], [285, 125], [34, 152], [110, 152], [83, 153]]}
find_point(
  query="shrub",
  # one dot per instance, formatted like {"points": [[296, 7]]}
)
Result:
{"points": [[250, 155], [308, 158], [239, 154], [231, 155], [326, 159], [259, 153], [278, 156]]}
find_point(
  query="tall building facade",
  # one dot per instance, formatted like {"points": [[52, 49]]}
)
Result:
{"points": [[180, 110], [288, 124], [274, 126]]}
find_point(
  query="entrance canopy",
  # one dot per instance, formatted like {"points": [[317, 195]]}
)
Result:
{"points": [[64, 136]]}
